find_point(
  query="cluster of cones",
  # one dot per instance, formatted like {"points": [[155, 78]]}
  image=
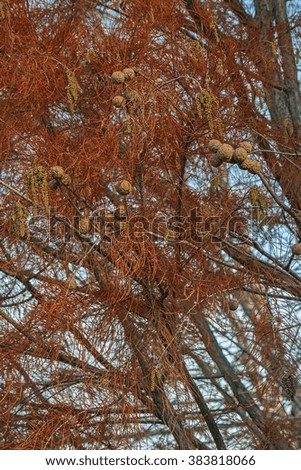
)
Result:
{"points": [[225, 153], [120, 77]]}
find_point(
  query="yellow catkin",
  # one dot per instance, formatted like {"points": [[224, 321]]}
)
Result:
{"points": [[128, 124], [153, 380], [259, 201], [36, 187], [214, 182], [72, 283], [155, 373], [4, 10], [72, 90], [253, 195], [232, 111], [84, 225], [220, 67], [207, 101], [199, 103], [197, 48], [18, 221], [213, 28]]}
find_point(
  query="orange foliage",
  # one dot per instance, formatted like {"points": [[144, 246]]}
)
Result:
{"points": [[122, 245]]}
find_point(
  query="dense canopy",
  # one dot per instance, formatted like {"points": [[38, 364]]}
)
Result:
{"points": [[150, 224]]}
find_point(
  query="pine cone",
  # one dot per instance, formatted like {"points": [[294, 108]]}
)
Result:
{"points": [[118, 77], [129, 73], [214, 145], [240, 154], [118, 101], [246, 145], [124, 187], [225, 152]]}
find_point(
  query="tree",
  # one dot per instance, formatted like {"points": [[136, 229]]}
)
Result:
{"points": [[150, 224]]}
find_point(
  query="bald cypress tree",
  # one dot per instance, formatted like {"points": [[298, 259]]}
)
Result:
{"points": [[150, 225]]}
